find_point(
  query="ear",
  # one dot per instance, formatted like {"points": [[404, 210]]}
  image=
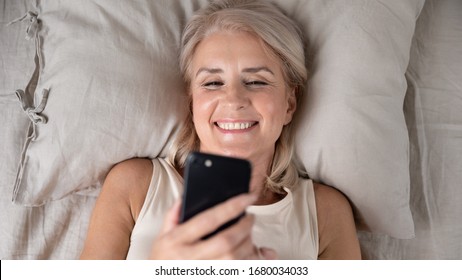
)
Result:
{"points": [[291, 106]]}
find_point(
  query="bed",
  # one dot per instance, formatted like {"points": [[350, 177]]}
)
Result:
{"points": [[85, 85]]}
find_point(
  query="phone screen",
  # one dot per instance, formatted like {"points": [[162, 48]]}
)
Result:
{"points": [[212, 179]]}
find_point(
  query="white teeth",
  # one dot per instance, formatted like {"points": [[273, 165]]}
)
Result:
{"points": [[234, 126]]}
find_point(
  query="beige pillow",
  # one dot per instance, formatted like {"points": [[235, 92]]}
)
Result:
{"points": [[351, 130], [115, 93]]}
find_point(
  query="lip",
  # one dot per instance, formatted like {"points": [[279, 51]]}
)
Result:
{"points": [[235, 126]]}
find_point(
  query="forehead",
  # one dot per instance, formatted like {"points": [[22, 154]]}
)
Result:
{"points": [[234, 47]]}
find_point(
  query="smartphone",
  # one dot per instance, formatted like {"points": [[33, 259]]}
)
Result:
{"points": [[212, 179]]}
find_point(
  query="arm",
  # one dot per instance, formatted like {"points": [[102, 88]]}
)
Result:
{"points": [[336, 227], [116, 210]]}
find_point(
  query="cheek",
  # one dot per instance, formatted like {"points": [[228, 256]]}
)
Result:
{"points": [[275, 109], [202, 107]]}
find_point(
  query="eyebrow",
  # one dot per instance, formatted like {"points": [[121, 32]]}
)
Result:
{"points": [[245, 70], [257, 69], [209, 70]]}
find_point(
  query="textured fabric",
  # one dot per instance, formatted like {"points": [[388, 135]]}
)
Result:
{"points": [[351, 131], [114, 92], [288, 226], [433, 110]]}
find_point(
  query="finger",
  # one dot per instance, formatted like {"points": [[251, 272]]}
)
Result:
{"points": [[232, 243], [267, 254], [172, 218], [211, 219], [243, 251]]}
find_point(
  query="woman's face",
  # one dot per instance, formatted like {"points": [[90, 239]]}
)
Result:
{"points": [[240, 101]]}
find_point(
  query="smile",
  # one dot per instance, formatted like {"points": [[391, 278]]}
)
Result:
{"points": [[235, 125]]}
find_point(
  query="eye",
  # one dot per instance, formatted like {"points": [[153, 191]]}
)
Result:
{"points": [[256, 83], [212, 84]]}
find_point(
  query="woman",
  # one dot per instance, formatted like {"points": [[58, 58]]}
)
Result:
{"points": [[243, 65]]}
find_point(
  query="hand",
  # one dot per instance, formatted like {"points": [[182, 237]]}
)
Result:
{"points": [[183, 241]]}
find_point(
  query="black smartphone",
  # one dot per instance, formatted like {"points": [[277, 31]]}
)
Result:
{"points": [[212, 179]]}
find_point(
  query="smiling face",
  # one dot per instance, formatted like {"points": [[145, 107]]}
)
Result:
{"points": [[240, 100]]}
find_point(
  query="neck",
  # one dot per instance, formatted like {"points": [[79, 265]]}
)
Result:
{"points": [[260, 171]]}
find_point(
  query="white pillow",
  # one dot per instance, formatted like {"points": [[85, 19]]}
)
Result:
{"points": [[16, 56], [351, 128], [115, 93]]}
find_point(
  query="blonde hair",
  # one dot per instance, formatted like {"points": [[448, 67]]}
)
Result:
{"points": [[282, 37]]}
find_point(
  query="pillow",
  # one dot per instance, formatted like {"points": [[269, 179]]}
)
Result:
{"points": [[112, 91], [351, 130], [16, 56]]}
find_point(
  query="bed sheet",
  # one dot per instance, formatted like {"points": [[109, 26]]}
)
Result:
{"points": [[53, 231], [434, 119]]}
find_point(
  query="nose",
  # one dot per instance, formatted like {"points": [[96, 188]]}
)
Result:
{"points": [[236, 97]]}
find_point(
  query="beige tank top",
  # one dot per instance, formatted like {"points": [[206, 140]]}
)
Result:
{"points": [[288, 226]]}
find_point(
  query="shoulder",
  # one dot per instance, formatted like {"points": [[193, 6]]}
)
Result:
{"points": [[329, 200], [129, 180], [131, 170], [336, 227]]}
